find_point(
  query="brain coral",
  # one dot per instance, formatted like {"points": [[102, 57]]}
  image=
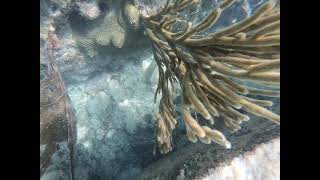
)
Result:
{"points": [[110, 32], [114, 29]]}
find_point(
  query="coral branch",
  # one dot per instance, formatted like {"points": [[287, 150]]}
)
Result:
{"points": [[211, 69]]}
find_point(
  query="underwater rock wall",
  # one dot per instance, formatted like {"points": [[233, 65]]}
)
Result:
{"points": [[114, 109], [111, 109]]}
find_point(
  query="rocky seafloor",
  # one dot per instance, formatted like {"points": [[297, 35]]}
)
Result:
{"points": [[113, 101]]}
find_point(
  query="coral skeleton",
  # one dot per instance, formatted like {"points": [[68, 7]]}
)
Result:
{"points": [[211, 69]]}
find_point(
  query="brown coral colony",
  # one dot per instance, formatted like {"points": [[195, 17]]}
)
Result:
{"points": [[211, 69]]}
